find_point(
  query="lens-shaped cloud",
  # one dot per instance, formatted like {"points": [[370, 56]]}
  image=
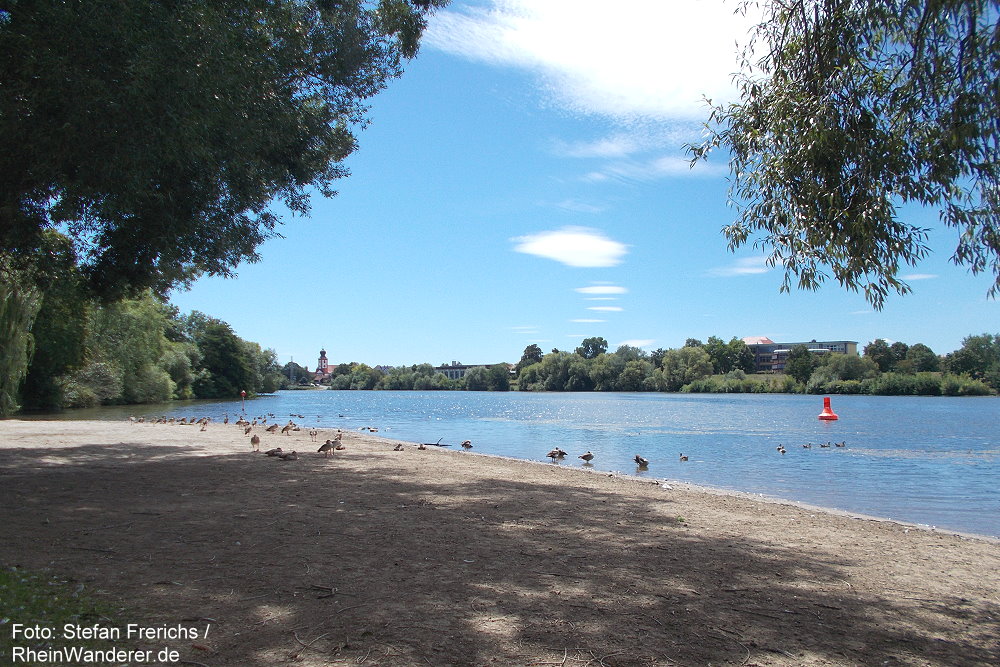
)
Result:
{"points": [[602, 289], [573, 246]]}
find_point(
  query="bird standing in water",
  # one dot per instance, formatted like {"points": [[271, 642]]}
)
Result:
{"points": [[642, 463], [588, 457]]}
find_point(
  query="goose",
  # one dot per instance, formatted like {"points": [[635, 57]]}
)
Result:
{"points": [[340, 447], [683, 458], [312, 434], [290, 456], [556, 454], [287, 428], [588, 456], [247, 430], [255, 442], [274, 452], [398, 448], [641, 461], [421, 446], [841, 444], [808, 445], [273, 428], [467, 444], [326, 448]]}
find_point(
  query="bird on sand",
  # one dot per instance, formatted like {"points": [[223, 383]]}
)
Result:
{"points": [[312, 434], [326, 448], [421, 446], [588, 457], [274, 452], [398, 448], [643, 463], [255, 442], [290, 456], [683, 458], [467, 444]]}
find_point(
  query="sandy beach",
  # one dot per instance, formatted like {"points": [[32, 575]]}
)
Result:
{"points": [[443, 557]]}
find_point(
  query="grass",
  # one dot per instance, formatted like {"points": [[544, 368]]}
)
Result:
{"points": [[33, 599]]}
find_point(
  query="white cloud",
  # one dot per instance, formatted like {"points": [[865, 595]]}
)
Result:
{"points": [[638, 342], [602, 289], [920, 276], [637, 58], [606, 309], [745, 266], [573, 246]]}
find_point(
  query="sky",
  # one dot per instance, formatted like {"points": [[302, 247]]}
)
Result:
{"points": [[524, 182]]}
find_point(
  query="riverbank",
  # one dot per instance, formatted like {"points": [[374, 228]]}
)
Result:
{"points": [[441, 557]]}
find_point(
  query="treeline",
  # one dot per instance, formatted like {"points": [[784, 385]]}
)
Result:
{"points": [[721, 367], [715, 366], [418, 377], [81, 352]]}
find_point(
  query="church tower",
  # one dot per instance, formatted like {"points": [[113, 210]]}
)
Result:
{"points": [[321, 365]]}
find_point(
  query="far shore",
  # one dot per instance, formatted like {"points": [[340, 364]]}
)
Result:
{"points": [[381, 557]]}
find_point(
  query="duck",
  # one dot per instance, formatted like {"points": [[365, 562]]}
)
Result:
{"points": [[683, 458], [467, 444], [642, 463], [326, 448], [781, 449], [588, 456], [255, 442]]}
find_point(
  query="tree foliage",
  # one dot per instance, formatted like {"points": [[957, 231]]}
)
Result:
{"points": [[158, 133], [851, 108]]}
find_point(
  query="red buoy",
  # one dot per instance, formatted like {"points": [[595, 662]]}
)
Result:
{"points": [[828, 414]]}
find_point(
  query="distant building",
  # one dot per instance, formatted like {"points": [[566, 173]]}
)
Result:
{"points": [[322, 368], [770, 357], [455, 370]]}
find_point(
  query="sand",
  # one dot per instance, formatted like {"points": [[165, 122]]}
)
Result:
{"points": [[443, 557]]}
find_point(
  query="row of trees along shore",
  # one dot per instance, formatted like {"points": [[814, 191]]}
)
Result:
{"points": [[711, 367], [86, 353]]}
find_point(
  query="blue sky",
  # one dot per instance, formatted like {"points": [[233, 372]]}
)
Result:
{"points": [[525, 182]]}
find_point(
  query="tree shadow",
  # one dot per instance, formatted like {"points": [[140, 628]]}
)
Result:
{"points": [[356, 560]]}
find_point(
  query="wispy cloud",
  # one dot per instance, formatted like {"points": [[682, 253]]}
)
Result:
{"points": [[529, 330], [606, 309], [573, 246], [920, 276], [587, 321], [602, 289], [638, 342], [629, 74], [746, 266], [577, 206]]}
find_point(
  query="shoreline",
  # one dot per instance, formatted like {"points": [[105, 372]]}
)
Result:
{"points": [[456, 559]]}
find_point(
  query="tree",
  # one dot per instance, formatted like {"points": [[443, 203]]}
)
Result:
{"points": [[591, 347], [880, 352], [800, 363], [922, 359], [532, 355], [225, 370], [979, 358], [681, 367], [849, 109], [158, 133]]}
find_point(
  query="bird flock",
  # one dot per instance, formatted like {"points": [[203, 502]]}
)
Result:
{"points": [[331, 446]]}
